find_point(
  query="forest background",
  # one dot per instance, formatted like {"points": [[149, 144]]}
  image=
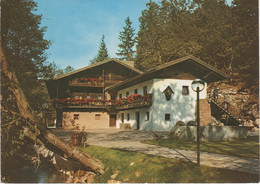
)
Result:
{"points": [[221, 35]]}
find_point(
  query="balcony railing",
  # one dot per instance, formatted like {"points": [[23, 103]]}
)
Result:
{"points": [[87, 82], [133, 101]]}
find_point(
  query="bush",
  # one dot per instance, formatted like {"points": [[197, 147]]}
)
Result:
{"points": [[191, 123], [180, 123]]}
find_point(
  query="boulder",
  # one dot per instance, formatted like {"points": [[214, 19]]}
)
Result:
{"points": [[256, 123]]}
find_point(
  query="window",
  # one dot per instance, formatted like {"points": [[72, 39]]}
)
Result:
{"points": [[76, 116], [128, 116], [168, 93], [185, 90], [122, 117], [97, 116], [135, 91], [145, 90], [110, 76], [167, 117], [120, 95], [147, 116], [127, 94]]}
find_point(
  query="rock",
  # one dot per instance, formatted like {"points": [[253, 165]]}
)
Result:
{"points": [[221, 124], [248, 124], [83, 179], [80, 173], [91, 177], [256, 123], [215, 122], [255, 129], [255, 111], [115, 173], [137, 174]]}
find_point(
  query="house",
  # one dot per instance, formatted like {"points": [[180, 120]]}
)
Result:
{"points": [[154, 100], [80, 99]]}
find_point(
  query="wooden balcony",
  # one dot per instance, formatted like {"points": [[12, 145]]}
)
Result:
{"points": [[134, 105], [87, 84], [77, 105], [131, 102]]}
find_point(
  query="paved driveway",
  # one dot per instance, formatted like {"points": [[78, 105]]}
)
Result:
{"points": [[130, 140]]}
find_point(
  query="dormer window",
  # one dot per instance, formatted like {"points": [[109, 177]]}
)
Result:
{"points": [[168, 93]]}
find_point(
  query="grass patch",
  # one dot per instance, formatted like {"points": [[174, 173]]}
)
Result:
{"points": [[248, 147], [141, 168]]}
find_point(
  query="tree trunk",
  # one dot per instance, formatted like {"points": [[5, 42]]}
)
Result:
{"points": [[40, 130]]}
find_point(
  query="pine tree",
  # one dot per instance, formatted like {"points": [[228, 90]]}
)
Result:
{"points": [[127, 38], [102, 53]]}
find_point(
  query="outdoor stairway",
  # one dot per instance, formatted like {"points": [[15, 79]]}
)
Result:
{"points": [[218, 110]]}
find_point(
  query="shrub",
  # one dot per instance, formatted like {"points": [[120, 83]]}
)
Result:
{"points": [[191, 123], [180, 123]]}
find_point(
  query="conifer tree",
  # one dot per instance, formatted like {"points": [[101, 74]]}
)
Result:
{"points": [[102, 53], [127, 38]]}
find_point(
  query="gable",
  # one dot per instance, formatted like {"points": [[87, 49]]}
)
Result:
{"points": [[188, 67], [97, 67], [105, 73]]}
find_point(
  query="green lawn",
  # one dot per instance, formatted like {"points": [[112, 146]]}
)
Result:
{"points": [[141, 168], [248, 147]]}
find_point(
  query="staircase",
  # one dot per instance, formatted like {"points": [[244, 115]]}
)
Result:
{"points": [[219, 111]]}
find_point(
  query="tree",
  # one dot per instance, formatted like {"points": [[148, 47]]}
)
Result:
{"points": [[148, 39], [68, 69], [24, 47], [127, 38], [102, 52], [31, 127]]}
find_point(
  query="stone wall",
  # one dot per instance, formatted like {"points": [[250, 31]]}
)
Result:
{"points": [[244, 101], [209, 133]]}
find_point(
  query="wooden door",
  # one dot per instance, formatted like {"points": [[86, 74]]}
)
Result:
{"points": [[137, 119], [112, 120]]}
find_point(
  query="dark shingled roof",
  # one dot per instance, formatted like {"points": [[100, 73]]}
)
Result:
{"points": [[124, 63]]}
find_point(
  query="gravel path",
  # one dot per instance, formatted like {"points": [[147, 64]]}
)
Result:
{"points": [[130, 140]]}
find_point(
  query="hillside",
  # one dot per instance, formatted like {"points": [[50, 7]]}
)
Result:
{"points": [[243, 98]]}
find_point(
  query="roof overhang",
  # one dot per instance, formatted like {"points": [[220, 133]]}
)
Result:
{"points": [[126, 64], [189, 64]]}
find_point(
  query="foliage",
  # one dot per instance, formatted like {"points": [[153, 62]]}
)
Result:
{"points": [[127, 38], [23, 47], [55, 71], [142, 168], [102, 52], [222, 35], [248, 147]]}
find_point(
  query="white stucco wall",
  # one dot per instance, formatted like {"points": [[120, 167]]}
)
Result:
{"points": [[139, 87], [180, 107], [144, 124]]}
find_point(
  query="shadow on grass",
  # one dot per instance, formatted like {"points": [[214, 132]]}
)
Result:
{"points": [[141, 168], [248, 147]]}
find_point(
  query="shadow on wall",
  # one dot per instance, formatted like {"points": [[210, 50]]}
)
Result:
{"points": [[180, 107]]}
